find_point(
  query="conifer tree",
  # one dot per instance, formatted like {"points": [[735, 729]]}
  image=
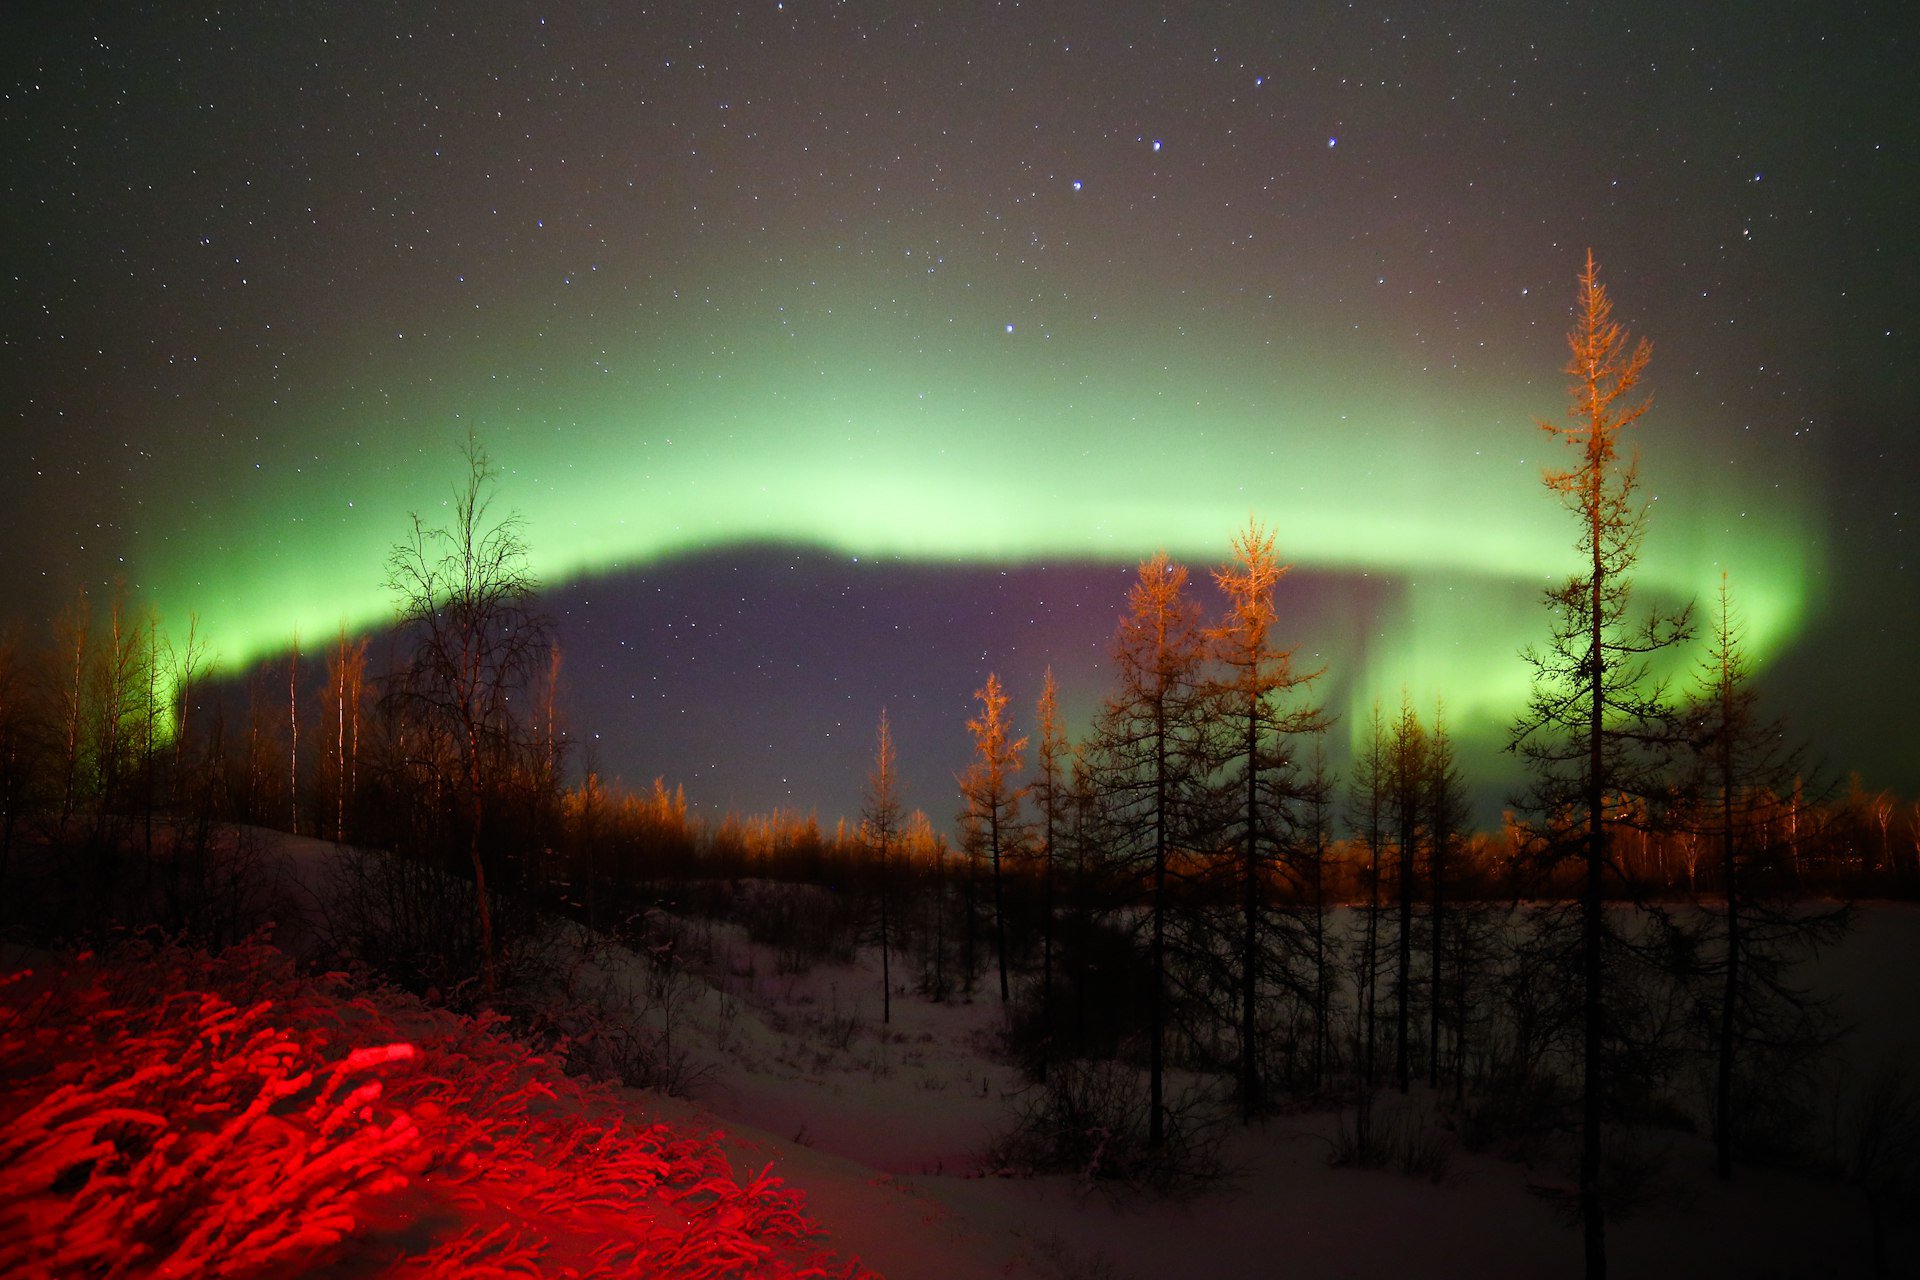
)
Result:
{"points": [[1262, 725], [994, 800], [1764, 1028], [1446, 817], [1367, 809], [1050, 801], [1151, 763], [1596, 723], [1406, 802]]}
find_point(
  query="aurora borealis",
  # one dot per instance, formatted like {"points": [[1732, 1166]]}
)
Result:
{"points": [[837, 354]]}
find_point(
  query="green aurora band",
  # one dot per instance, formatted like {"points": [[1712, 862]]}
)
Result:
{"points": [[955, 440]]}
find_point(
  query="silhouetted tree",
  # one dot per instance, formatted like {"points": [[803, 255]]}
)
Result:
{"points": [[1367, 812], [346, 676], [1050, 801], [880, 826], [1406, 803], [464, 594], [16, 746], [1446, 817], [1152, 761], [1308, 862], [1595, 711], [993, 799], [1261, 723], [71, 645], [1764, 1027]]}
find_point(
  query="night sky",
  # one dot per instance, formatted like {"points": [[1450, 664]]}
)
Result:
{"points": [[839, 354]]}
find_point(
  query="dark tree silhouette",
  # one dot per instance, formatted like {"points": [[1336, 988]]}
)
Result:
{"points": [[1050, 799], [1446, 818], [880, 826], [1366, 816], [1151, 766], [1261, 724], [464, 594], [1407, 803], [1764, 1028], [993, 800]]}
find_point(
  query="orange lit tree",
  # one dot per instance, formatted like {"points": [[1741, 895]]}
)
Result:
{"points": [[1262, 723], [992, 799], [1151, 769], [1596, 724]]}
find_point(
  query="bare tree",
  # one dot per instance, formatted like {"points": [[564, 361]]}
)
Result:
{"points": [[1407, 802], [880, 825], [993, 799], [1446, 818], [464, 594], [1595, 711], [1050, 801], [346, 676], [16, 746], [1367, 809], [71, 642]]}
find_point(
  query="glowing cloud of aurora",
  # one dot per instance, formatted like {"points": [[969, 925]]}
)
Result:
{"points": [[958, 441]]}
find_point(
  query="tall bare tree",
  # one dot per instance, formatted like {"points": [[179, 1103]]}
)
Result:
{"points": [[1446, 818], [993, 799], [880, 824], [1595, 711], [464, 594], [346, 677], [1050, 800], [1406, 801], [1367, 790], [71, 644]]}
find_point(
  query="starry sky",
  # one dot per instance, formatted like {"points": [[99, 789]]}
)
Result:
{"points": [[837, 354]]}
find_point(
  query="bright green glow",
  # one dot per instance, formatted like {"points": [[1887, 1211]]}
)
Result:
{"points": [[846, 428]]}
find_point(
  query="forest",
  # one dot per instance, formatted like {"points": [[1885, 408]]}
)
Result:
{"points": [[1185, 921]]}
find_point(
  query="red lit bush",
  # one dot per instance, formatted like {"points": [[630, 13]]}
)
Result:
{"points": [[167, 1113]]}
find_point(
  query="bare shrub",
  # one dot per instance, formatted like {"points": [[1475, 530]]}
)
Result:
{"points": [[1408, 1138], [1089, 1119]]}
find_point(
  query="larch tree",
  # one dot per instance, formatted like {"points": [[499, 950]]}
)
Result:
{"points": [[1446, 819], [1367, 791], [1262, 723], [993, 799], [1152, 765], [1764, 1029], [880, 825], [464, 594], [1406, 802], [1050, 800], [1596, 723], [1309, 860]]}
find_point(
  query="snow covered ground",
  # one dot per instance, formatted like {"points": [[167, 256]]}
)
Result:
{"points": [[883, 1127], [885, 1131]]}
